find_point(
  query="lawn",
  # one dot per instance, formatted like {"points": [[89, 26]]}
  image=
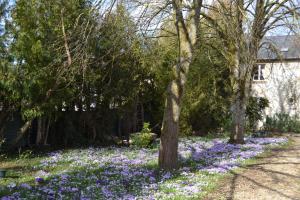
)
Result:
{"points": [[126, 173]]}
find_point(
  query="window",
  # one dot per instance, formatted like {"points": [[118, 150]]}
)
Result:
{"points": [[258, 72]]}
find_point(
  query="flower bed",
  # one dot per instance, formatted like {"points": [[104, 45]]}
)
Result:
{"points": [[128, 173]]}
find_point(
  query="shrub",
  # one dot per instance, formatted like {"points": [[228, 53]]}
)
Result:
{"points": [[25, 154], [146, 128], [206, 102], [143, 138], [204, 116], [254, 111], [282, 122]]}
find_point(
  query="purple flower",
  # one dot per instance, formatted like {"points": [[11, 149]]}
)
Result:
{"points": [[109, 173], [39, 180], [167, 175], [129, 197], [64, 176], [101, 182], [106, 192], [7, 198], [74, 189], [25, 186]]}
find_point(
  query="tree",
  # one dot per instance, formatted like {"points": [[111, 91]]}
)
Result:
{"points": [[186, 18], [187, 31], [117, 74], [9, 94], [241, 26], [206, 105], [48, 55]]}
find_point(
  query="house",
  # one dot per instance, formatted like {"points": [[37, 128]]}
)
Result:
{"points": [[277, 74]]}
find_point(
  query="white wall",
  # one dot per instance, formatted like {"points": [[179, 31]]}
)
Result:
{"points": [[281, 84]]}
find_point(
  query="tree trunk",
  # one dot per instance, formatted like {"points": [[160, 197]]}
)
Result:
{"points": [[65, 39], [168, 154], [23, 130], [241, 92], [41, 131], [187, 32], [47, 129], [238, 110], [239, 104], [3, 119]]}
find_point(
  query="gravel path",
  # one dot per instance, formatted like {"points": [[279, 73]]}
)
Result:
{"points": [[276, 177]]}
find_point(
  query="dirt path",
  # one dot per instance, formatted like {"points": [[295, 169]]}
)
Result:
{"points": [[276, 177]]}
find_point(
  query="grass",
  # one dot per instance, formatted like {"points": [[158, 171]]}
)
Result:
{"points": [[23, 169]]}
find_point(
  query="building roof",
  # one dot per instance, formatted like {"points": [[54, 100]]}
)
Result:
{"points": [[280, 48]]}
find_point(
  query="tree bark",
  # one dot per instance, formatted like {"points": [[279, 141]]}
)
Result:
{"points": [[168, 154], [66, 44], [22, 132], [187, 32], [39, 132], [238, 103], [242, 79], [238, 110], [42, 131], [47, 129]]}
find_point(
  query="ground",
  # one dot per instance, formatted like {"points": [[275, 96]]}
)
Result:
{"points": [[128, 173], [274, 176]]}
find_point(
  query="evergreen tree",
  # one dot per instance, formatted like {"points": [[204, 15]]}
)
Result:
{"points": [[47, 53]]}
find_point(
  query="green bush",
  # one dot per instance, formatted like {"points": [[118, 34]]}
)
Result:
{"points": [[143, 138], [206, 103], [254, 111], [203, 117], [25, 154], [282, 122]]}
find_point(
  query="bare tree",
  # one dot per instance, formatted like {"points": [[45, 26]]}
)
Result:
{"points": [[187, 27], [242, 25], [186, 18]]}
